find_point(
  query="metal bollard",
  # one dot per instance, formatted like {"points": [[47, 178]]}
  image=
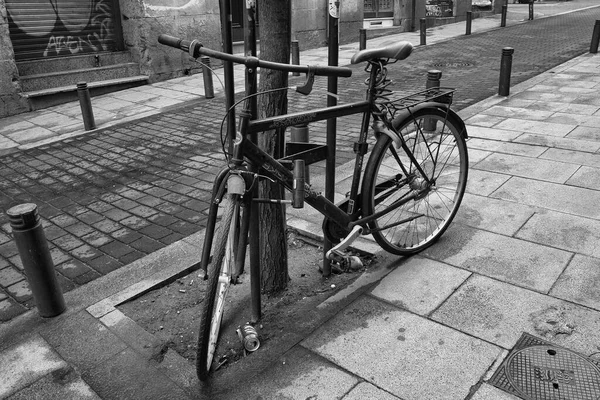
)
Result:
{"points": [[531, 10], [503, 20], [469, 22], [433, 81], [362, 39], [505, 71], [85, 102], [295, 55], [299, 134], [209, 90], [595, 38], [37, 262], [423, 27]]}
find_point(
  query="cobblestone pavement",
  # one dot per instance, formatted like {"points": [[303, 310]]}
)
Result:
{"points": [[116, 195]]}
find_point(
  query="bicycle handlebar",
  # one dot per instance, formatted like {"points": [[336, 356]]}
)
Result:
{"points": [[196, 49]]}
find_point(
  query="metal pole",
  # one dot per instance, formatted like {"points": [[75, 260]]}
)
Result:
{"points": [[37, 261], [85, 102], [332, 87], [595, 38], [254, 234], [505, 71], [362, 38], [226, 34], [503, 20], [209, 91], [295, 55], [469, 22], [423, 27], [531, 10]]}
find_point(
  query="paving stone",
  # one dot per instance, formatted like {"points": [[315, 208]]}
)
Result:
{"points": [[126, 235], [10, 276], [82, 341], [72, 268], [105, 264], [20, 291], [10, 309], [97, 239], [366, 390], [564, 231], [420, 285], [519, 262], [567, 199], [79, 229], [86, 252], [116, 249], [146, 245], [580, 282], [493, 215], [528, 167], [86, 277], [300, 374], [67, 242], [61, 384], [499, 313], [558, 142], [25, 363], [489, 392], [128, 376], [398, 351]]}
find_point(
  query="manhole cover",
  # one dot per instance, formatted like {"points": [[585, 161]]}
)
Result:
{"points": [[538, 370], [458, 64]]}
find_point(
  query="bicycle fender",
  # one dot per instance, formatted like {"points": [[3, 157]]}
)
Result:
{"points": [[406, 114]]}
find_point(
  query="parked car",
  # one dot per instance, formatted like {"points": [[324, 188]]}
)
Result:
{"points": [[482, 3]]}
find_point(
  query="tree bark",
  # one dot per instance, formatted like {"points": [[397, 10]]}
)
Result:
{"points": [[275, 42]]}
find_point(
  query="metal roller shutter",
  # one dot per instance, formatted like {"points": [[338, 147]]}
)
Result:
{"points": [[57, 28]]}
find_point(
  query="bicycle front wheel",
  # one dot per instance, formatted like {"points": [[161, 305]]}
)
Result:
{"points": [[417, 188], [220, 275]]}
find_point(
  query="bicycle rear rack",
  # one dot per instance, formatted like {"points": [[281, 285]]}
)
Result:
{"points": [[437, 94]]}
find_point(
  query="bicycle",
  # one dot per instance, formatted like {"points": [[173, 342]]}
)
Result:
{"points": [[411, 187]]}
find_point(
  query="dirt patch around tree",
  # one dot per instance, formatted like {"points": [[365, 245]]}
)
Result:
{"points": [[172, 312]]}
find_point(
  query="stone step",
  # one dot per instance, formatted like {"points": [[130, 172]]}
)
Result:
{"points": [[50, 80], [39, 99], [102, 59]]}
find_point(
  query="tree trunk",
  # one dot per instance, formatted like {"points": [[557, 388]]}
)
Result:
{"points": [[275, 41]]}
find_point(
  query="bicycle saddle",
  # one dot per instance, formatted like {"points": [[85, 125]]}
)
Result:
{"points": [[398, 51]]}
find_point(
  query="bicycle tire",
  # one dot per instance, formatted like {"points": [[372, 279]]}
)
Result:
{"points": [[221, 266], [418, 223]]}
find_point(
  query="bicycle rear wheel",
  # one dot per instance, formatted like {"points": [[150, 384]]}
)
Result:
{"points": [[420, 207], [220, 275]]}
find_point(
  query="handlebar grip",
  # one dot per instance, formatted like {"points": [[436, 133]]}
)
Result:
{"points": [[169, 40]]}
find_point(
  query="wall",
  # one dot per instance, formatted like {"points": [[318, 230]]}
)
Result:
{"points": [[310, 19], [144, 20], [10, 100]]}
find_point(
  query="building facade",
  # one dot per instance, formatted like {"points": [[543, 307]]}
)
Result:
{"points": [[50, 45]]}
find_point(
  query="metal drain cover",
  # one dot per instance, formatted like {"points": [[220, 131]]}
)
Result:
{"points": [[536, 369], [457, 64]]}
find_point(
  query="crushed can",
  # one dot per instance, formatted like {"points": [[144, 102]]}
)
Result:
{"points": [[249, 337]]}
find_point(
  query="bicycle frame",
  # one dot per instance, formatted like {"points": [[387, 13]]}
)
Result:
{"points": [[245, 149]]}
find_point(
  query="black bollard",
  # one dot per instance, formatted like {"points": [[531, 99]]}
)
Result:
{"points": [[505, 71], [531, 10], [362, 39], [469, 22], [595, 38], [503, 20], [209, 90], [433, 81], [423, 27], [295, 55], [37, 262], [85, 102]]}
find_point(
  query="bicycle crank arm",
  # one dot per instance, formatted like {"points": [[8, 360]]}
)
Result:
{"points": [[347, 241]]}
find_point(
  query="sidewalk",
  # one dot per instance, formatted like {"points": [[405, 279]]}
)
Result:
{"points": [[520, 257], [44, 126]]}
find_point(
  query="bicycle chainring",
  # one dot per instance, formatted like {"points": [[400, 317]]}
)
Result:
{"points": [[333, 232]]}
